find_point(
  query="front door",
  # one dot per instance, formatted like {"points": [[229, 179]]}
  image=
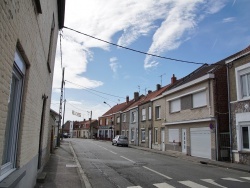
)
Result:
{"points": [[163, 139], [184, 141], [149, 139]]}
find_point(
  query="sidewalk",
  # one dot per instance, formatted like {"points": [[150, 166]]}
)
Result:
{"points": [[235, 166], [61, 170]]}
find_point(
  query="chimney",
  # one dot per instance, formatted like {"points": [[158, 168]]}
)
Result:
{"points": [[158, 87], [136, 96], [149, 91], [173, 79], [127, 99]]}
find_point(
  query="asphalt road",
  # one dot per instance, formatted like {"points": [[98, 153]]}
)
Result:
{"points": [[111, 166]]}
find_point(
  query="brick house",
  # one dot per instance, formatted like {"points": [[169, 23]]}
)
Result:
{"points": [[86, 128], [238, 67], [29, 31]]}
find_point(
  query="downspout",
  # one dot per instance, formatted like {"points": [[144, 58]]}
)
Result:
{"points": [[229, 113]]}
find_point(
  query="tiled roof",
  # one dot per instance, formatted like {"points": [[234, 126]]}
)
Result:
{"points": [[117, 108]]}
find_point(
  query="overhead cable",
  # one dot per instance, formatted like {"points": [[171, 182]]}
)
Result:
{"points": [[138, 51]]}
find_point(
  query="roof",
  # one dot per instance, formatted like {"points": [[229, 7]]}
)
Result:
{"points": [[136, 103], [117, 108], [238, 54]]}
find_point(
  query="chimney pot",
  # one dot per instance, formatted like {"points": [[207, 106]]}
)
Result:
{"points": [[127, 99], [173, 79], [158, 87], [136, 96]]}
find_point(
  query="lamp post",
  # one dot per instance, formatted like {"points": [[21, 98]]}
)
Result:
{"points": [[111, 127]]}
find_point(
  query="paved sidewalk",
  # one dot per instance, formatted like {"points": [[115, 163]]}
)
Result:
{"points": [[61, 170], [235, 166]]}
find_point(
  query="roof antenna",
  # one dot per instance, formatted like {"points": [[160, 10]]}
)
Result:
{"points": [[161, 77], [139, 88]]}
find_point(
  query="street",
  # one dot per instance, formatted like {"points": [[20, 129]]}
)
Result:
{"points": [[111, 166]]}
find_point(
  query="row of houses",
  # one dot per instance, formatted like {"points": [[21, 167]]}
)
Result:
{"points": [[28, 32], [204, 114]]}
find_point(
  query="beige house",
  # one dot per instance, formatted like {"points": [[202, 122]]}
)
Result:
{"points": [[195, 112], [29, 31]]}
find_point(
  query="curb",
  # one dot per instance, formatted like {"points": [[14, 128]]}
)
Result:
{"points": [[80, 170]]}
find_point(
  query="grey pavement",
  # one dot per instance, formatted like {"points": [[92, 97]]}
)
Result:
{"points": [[61, 169]]}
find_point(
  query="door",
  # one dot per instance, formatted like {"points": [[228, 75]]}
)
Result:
{"points": [[163, 139], [184, 141], [149, 139], [201, 142]]}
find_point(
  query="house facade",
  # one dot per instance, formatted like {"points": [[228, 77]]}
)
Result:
{"points": [[238, 67], [54, 119], [29, 31], [196, 112]]}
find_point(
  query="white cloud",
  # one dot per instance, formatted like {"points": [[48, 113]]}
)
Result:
{"points": [[114, 65], [227, 20]]}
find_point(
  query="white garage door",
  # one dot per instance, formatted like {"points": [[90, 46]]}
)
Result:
{"points": [[201, 142]]}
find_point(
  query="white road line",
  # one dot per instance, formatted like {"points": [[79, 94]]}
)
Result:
{"points": [[246, 178], [192, 184], [232, 179], [134, 187], [157, 172], [212, 182], [127, 159], [163, 185], [113, 152]]}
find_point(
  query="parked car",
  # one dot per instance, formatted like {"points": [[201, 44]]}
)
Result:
{"points": [[66, 135], [120, 140]]}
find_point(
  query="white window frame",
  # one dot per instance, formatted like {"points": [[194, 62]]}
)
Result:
{"points": [[127, 133], [149, 112], [13, 119], [132, 134], [100, 121], [107, 121], [124, 117], [123, 132], [156, 135], [173, 135], [143, 114], [199, 99], [242, 144], [158, 112], [239, 72], [118, 119], [133, 117], [175, 105], [143, 134]]}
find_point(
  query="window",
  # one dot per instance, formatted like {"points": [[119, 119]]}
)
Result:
{"points": [[133, 117], [245, 85], [107, 121], [49, 59], [127, 133], [118, 119], [124, 117], [243, 81], [156, 135], [143, 112], [13, 119], [132, 134], [143, 135], [199, 99], [157, 112], [175, 105], [123, 132], [173, 135], [100, 121], [245, 137], [149, 113]]}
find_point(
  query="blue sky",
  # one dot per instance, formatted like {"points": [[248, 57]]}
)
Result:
{"points": [[203, 31]]}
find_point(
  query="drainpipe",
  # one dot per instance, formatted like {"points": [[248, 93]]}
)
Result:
{"points": [[216, 134], [229, 113]]}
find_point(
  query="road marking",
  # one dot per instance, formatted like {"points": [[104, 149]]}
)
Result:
{"points": [[113, 152], [134, 187], [127, 159], [232, 179], [192, 184], [212, 182], [163, 185], [246, 178], [157, 172]]}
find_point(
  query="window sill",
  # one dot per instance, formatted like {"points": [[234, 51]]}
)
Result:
{"points": [[244, 151], [143, 141], [198, 107], [175, 112], [244, 99], [13, 179], [158, 119]]}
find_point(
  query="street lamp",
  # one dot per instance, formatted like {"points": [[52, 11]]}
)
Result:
{"points": [[111, 127]]}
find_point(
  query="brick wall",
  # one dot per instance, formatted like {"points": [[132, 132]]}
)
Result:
{"points": [[21, 27]]}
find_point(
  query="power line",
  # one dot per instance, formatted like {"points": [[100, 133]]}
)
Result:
{"points": [[94, 90], [138, 51]]}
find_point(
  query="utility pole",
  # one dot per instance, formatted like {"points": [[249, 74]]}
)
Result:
{"points": [[60, 110], [63, 116]]}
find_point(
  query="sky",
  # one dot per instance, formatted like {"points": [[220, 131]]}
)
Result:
{"points": [[200, 31]]}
